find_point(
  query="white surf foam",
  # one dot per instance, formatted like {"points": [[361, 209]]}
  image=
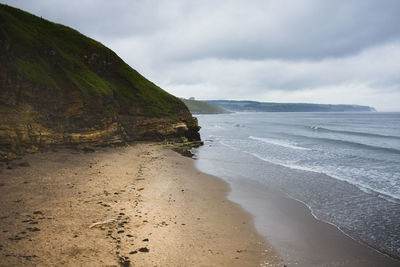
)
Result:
{"points": [[363, 187], [278, 142]]}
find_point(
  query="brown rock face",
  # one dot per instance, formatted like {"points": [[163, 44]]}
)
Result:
{"points": [[59, 87], [33, 120]]}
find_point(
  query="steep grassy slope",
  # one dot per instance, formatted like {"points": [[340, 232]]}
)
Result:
{"points": [[201, 107], [58, 83]]}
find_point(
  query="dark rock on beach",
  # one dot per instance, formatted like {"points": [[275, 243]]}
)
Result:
{"points": [[143, 249]]}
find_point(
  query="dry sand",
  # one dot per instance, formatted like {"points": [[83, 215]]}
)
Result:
{"points": [[166, 212]]}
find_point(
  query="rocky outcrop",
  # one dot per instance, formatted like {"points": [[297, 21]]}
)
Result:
{"points": [[23, 135], [30, 120], [62, 88]]}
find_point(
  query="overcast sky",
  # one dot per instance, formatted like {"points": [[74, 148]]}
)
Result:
{"points": [[338, 52]]}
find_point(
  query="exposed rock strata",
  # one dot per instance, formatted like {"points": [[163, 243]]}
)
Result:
{"points": [[59, 87], [27, 124]]}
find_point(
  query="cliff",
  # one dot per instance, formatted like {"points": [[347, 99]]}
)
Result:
{"points": [[59, 87]]}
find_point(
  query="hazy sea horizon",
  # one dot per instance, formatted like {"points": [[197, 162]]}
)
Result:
{"points": [[344, 166]]}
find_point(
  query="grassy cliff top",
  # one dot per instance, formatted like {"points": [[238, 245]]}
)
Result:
{"points": [[51, 55], [200, 107]]}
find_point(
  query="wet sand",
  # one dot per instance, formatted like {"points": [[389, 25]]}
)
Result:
{"points": [[147, 207], [297, 235]]}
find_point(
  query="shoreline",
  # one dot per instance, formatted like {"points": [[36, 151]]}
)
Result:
{"points": [[146, 205], [376, 249], [271, 193], [298, 236]]}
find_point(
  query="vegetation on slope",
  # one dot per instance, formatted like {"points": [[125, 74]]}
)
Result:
{"points": [[52, 55], [201, 107], [59, 87]]}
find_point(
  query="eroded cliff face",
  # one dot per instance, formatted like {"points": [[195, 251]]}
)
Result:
{"points": [[58, 87], [30, 120]]}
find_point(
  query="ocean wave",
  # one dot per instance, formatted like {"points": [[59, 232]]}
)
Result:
{"points": [[348, 143], [363, 187], [278, 142], [231, 147], [322, 129], [357, 144]]}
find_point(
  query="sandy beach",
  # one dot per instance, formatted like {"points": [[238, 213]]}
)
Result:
{"points": [[139, 205]]}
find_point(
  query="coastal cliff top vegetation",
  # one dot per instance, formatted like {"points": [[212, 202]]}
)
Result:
{"points": [[47, 54], [201, 107]]}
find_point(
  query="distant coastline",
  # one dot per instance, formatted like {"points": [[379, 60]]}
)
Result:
{"points": [[254, 106], [202, 107]]}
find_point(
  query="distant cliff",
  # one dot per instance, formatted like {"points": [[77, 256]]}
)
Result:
{"points": [[59, 87], [201, 107], [232, 105]]}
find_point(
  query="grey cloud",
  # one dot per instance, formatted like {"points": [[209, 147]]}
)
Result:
{"points": [[376, 69], [108, 19], [283, 50], [292, 30], [279, 29]]}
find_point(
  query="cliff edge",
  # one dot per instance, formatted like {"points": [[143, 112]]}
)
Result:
{"points": [[59, 87]]}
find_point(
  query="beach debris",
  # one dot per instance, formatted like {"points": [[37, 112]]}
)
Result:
{"points": [[24, 164], [101, 223], [16, 238], [122, 224], [143, 249], [140, 189], [145, 240], [33, 229], [11, 165], [124, 262], [88, 150]]}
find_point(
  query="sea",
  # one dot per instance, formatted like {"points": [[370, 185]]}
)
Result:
{"points": [[345, 167]]}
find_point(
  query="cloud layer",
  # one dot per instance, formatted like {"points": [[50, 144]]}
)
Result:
{"points": [[277, 50]]}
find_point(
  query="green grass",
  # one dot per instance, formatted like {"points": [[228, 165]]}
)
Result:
{"points": [[50, 54], [201, 107], [34, 73]]}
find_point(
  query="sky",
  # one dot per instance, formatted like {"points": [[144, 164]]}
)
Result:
{"points": [[330, 52]]}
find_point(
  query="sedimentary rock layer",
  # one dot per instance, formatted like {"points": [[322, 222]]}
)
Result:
{"points": [[59, 87]]}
